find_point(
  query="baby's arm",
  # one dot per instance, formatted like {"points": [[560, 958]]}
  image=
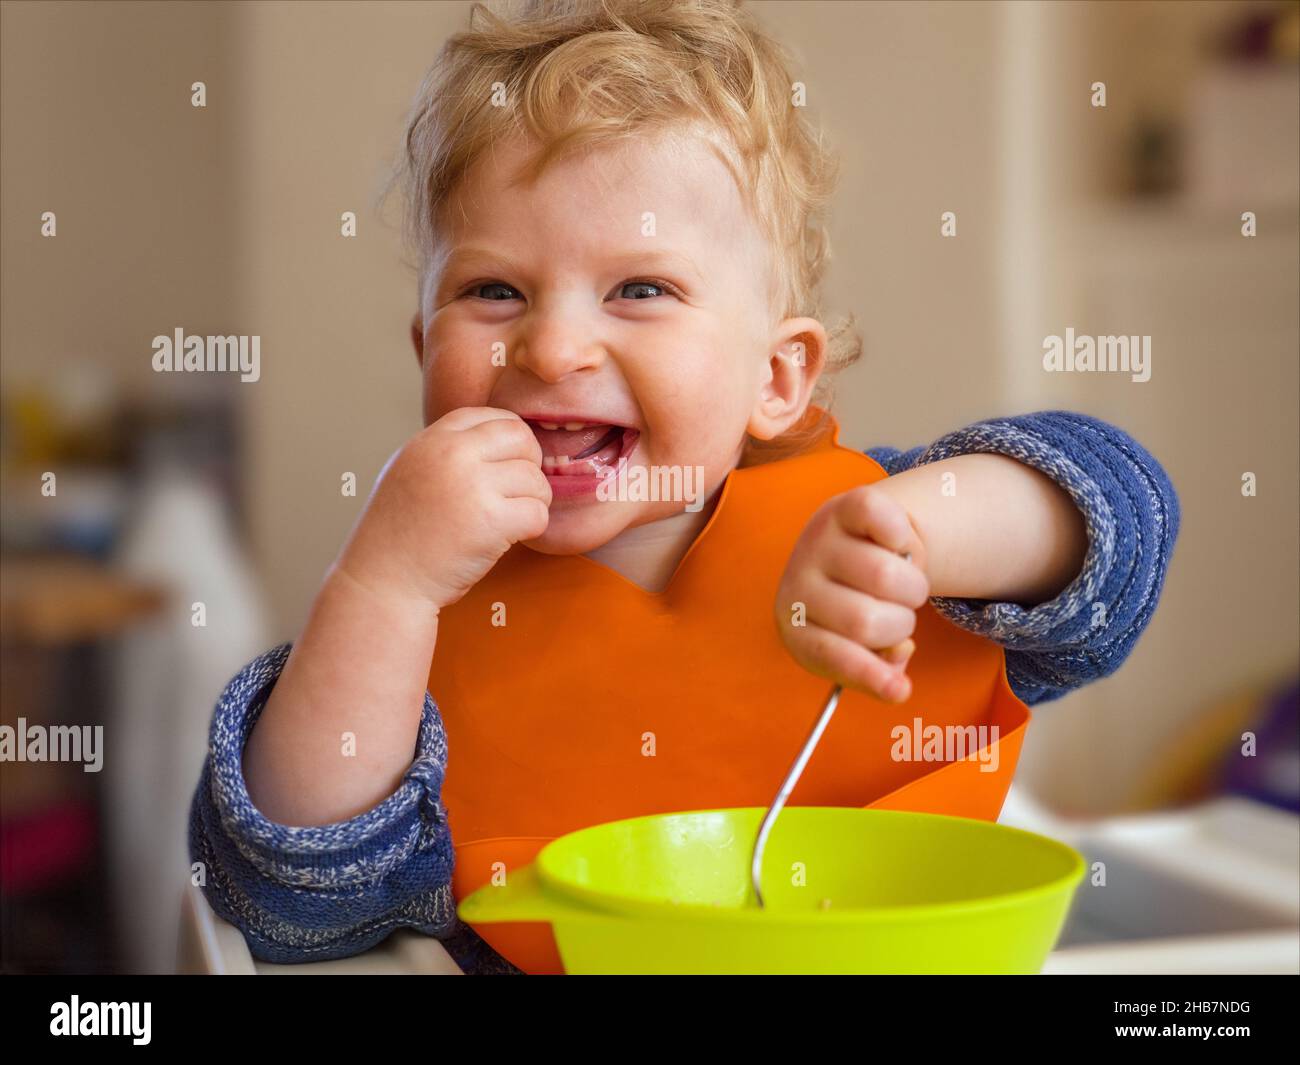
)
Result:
{"points": [[358, 670], [337, 836], [301, 894], [996, 524], [993, 527], [339, 728]]}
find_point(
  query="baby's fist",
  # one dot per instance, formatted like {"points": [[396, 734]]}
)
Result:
{"points": [[847, 603]]}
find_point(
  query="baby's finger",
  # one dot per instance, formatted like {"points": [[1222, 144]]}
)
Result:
{"points": [[870, 622], [875, 570], [462, 418], [508, 437], [875, 516], [899, 654], [522, 518], [519, 478], [830, 655]]}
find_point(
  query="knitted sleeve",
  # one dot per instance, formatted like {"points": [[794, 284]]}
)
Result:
{"points": [[328, 891], [1131, 512]]}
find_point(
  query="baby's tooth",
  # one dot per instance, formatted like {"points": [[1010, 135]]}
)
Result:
{"points": [[571, 426], [549, 462], [548, 425], [561, 460]]}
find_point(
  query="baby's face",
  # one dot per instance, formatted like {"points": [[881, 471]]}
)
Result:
{"points": [[627, 290]]}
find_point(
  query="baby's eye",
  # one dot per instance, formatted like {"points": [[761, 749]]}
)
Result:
{"points": [[641, 286], [489, 285]]}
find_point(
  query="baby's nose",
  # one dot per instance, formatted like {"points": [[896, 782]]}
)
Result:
{"points": [[552, 346]]}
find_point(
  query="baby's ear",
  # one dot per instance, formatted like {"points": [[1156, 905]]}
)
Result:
{"points": [[805, 341], [793, 368], [417, 338]]}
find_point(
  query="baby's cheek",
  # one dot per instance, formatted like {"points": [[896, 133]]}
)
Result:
{"points": [[450, 384]]}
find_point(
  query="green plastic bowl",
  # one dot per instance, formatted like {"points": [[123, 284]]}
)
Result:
{"points": [[846, 891]]}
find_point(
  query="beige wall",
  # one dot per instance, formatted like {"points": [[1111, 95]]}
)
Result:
{"points": [[321, 105], [926, 305], [98, 128]]}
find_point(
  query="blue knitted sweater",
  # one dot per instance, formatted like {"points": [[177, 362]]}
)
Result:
{"points": [[312, 893]]}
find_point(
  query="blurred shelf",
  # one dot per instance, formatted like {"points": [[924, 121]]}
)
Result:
{"points": [[1129, 235], [57, 600]]}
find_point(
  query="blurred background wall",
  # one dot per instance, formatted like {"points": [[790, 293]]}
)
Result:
{"points": [[225, 219]]}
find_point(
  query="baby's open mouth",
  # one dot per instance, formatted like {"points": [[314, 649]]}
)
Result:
{"points": [[581, 448]]}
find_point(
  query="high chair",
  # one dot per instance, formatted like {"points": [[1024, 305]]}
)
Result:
{"points": [[209, 945]]}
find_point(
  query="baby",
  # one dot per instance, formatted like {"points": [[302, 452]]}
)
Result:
{"points": [[617, 213]]}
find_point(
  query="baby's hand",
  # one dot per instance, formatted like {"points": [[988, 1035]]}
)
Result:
{"points": [[449, 503], [859, 595]]}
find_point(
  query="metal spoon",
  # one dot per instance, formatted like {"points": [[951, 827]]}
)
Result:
{"points": [[791, 779]]}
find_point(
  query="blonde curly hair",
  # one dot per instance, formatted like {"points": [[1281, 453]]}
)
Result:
{"points": [[586, 72]]}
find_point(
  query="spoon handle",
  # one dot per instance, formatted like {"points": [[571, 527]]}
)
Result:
{"points": [[792, 778], [787, 786]]}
